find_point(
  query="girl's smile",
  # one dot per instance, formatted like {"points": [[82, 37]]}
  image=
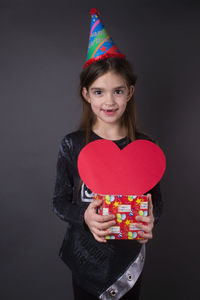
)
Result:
{"points": [[110, 112]]}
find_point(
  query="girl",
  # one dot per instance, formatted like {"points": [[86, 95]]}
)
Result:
{"points": [[101, 269]]}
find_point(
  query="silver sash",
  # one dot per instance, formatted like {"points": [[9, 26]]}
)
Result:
{"points": [[124, 283]]}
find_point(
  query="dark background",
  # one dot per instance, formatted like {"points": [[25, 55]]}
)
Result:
{"points": [[43, 46]]}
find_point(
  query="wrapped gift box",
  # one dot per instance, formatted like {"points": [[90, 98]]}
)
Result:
{"points": [[126, 208]]}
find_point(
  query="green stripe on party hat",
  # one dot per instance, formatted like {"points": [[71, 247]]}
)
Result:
{"points": [[101, 45]]}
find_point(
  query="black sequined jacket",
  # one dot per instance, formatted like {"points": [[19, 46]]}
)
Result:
{"points": [[94, 265]]}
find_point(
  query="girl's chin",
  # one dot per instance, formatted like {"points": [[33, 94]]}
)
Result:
{"points": [[109, 119]]}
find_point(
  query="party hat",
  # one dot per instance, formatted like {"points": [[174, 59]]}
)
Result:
{"points": [[101, 44]]}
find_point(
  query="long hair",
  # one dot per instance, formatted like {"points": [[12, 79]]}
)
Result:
{"points": [[117, 65]]}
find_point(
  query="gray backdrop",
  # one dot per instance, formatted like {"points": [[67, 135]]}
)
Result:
{"points": [[43, 47]]}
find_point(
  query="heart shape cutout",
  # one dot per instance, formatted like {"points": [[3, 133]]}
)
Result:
{"points": [[134, 170]]}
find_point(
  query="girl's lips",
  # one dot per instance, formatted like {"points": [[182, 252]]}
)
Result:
{"points": [[110, 112]]}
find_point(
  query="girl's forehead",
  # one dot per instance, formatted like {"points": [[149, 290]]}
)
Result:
{"points": [[109, 79]]}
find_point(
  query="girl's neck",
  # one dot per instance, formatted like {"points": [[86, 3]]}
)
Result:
{"points": [[109, 131]]}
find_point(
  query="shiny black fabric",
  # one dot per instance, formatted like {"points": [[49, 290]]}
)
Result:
{"points": [[94, 265]]}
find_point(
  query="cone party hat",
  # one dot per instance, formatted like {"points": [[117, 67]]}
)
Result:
{"points": [[101, 45]]}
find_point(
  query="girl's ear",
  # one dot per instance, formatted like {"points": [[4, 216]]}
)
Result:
{"points": [[85, 94], [131, 91]]}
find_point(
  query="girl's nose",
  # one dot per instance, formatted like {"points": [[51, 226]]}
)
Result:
{"points": [[109, 99]]}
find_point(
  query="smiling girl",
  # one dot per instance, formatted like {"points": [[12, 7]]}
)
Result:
{"points": [[101, 269], [108, 96]]}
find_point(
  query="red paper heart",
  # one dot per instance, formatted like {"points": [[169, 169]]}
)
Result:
{"points": [[134, 170]]}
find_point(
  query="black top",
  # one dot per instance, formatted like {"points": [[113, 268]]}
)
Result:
{"points": [[94, 265]]}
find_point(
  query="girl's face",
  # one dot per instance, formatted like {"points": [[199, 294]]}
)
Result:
{"points": [[108, 96]]}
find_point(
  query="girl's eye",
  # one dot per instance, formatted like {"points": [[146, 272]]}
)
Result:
{"points": [[97, 92], [119, 92]]}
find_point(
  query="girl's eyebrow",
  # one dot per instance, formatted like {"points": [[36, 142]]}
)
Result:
{"points": [[115, 88], [120, 87]]}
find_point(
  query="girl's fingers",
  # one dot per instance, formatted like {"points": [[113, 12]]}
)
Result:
{"points": [[148, 219], [99, 239], [150, 204], [103, 219], [96, 203], [146, 228], [101, 233], [146, 235], [106, 224]]}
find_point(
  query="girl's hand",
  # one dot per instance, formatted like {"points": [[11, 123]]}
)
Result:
{"points": [[149, 220], [98, 225]]}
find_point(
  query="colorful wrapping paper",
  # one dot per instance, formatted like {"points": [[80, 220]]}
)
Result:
{"points": [[126, 208]]}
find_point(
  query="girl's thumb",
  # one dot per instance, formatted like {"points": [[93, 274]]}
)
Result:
{"points": [[96, 203]]}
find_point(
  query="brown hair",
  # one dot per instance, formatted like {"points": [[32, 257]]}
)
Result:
{"points": [[88, 76]]}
